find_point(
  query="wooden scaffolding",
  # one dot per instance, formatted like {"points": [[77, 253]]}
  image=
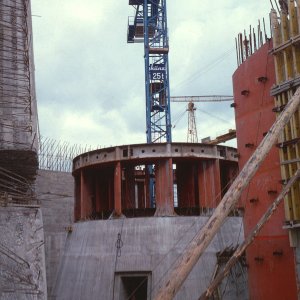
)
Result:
{"points": [[286, 51]]}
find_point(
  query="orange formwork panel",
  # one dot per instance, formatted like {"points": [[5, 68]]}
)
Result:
{"points": [[209, 182], [187, 184], [117, 189], [164, 188], [271, 272]]}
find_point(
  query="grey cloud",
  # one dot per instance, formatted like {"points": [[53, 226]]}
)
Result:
{"points": [[84, 67]]}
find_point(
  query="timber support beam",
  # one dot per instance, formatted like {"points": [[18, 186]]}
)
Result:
{"points": [[202, 239]]}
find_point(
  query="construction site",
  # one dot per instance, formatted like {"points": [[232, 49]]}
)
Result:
{"points": [[162, 219]]}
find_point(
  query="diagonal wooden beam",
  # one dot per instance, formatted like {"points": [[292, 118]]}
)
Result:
{"points": [[197, 246], [240, 250]]}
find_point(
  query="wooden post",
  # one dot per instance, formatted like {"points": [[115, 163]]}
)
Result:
{"points": [[117, 190], [197, 246], [298, 13], [279, 64], [240, 250]]}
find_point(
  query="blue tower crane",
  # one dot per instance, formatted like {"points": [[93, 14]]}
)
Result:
{"points": [[149, 25]]}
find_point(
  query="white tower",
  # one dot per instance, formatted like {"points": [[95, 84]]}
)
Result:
{"points": [[192, 136]]}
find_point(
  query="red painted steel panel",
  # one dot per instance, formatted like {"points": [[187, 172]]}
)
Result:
{"points": [[187, 184], [117, 189], [128, 188], [164, 188], [228, 172], [271, 269], [209, 183], [270, 276]]}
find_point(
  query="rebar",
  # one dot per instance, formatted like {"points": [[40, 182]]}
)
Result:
{"points": [[58, 155], [248, 44], [15, 189]]}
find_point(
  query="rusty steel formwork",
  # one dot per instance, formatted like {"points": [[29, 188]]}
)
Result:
{"points": [[190, 179]]}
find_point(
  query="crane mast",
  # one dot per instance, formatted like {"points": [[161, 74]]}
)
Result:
{"points": [[149, 25]]}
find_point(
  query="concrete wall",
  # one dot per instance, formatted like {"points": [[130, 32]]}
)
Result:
{"points": [[81, 264], [22, 260], [149, 245], [55, 193], [18, 108]]}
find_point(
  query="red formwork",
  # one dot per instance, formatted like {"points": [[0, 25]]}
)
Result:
{"points": [[210, 183], [112, 182], [270, 259]]}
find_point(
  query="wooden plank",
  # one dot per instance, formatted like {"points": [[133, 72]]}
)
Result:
{"points": [[289, 155], [293, 19], [287, 52], [224, 137], [284, 168], [202, 239], [279, 70], [294, 32], [290, 161], [293, 41], [296, 58], [287, 67], [294, 123], [298, 14]]}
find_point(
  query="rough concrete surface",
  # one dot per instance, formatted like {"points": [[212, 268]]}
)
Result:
{"points": [[55, 193], [18, 111], [22, 260], [149, 245]]}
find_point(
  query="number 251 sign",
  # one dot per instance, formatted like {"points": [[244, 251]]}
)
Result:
{"points": [[157, 71]]}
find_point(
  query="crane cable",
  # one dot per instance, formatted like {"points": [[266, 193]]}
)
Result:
{"points": [[205, 69]]}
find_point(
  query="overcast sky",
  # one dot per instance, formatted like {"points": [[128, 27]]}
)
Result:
{"points": [[90, 82]]}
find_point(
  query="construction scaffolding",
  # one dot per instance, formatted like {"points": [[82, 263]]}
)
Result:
{"points": [[18, 108], [286, 51], [18, 112]]}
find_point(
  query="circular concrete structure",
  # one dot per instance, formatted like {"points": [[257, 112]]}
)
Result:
{"points": [[116, 181]]}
